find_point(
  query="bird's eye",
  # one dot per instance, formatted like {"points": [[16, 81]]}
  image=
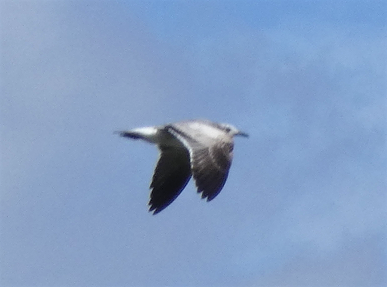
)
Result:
{"points": [[228, 129]]}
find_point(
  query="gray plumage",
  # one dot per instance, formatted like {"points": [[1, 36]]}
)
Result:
{"points": [[197, 148]]}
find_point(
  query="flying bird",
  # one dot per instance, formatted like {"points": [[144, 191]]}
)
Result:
{"points": [[198, 148]]}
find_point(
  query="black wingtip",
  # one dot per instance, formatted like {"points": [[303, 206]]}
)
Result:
{"points": [[155, 210]]}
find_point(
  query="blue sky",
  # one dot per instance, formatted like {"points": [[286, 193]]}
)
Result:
{"points": [[305, 201]]}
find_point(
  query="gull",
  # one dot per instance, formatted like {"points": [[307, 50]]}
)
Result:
{"points": [[198, 148]]}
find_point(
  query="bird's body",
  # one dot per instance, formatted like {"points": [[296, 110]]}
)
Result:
{"points": [[197, 148]]}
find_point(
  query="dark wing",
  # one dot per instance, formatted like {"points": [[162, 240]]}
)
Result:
{"points": [[210, 166], [172, 174], [211, 154]]}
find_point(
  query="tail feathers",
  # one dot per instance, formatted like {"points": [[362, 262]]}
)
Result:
{"points": [[129, 134], [149, 134]]}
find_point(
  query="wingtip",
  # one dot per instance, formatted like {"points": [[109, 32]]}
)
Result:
{"points": [[154, 210], [208, 197]]}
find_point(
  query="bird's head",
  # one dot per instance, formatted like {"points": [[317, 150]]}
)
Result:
{"points": [[233, 131]]}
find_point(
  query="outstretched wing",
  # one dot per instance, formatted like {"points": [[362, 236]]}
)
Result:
{"points": [[211, 155], [172, 174], [210, 166]]}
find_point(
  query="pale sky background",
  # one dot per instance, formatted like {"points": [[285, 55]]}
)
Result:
{"points": [[305, 202]]}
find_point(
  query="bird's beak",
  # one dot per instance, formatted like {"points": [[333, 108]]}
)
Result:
{"points": [[243, 134]]}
